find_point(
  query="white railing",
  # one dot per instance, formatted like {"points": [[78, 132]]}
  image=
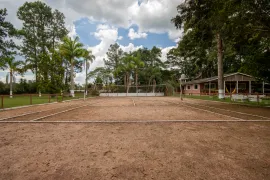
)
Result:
{"points": [[131, 94]]}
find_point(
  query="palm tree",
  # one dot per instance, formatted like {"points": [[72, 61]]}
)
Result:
{"points": [[126, 66], [88, 58], [13, 67], [154, 75], [71, 49], [138, 63]]}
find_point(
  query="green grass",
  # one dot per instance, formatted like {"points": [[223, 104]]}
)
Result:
{"points": [[24, 100], [265, 102]]}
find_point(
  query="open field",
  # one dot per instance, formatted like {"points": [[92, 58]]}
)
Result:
{"points": [[25, 100], [135, 138], [264, 101]]}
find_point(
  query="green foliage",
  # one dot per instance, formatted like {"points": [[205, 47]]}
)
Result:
{"points": [[101, 74], [42, 30], [72, 50], [7, 46], [143, 65], [243, 28], [114, 54]]}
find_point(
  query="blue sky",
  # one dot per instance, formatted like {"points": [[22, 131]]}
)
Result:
{"points": [[130, 23], [85, 29]]}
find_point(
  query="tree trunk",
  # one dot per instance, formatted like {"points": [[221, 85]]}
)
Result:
{"points": [[72, 79], [10, 85], [86, 78], [136, 74], [220, 67], [127, 82], [154, 85]]}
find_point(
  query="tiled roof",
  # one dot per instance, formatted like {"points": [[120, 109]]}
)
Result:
{"points": [[197, 81]]}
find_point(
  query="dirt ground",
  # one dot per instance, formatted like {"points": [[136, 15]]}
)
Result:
{"points": [[131, 149]]}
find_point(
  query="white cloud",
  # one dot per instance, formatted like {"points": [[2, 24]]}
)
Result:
{"points": [[111, 11], [136, 35], [130, 47], [164, 53], [155, 16], [72, 31], [28, 76], [80, 78], [107, 35], [149, 15], [177, 40]]}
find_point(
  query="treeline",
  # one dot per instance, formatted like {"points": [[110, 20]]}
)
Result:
{"points": [[24, 86], [219, 37], [229, 36], [45, 48], [141, 67]]}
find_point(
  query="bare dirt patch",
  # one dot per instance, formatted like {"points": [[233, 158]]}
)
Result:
{"points": [[132, 151], [183, 150]]}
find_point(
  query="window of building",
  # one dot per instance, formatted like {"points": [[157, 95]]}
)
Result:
{"points": [[206, 86], [196, 86], [188, 87]]}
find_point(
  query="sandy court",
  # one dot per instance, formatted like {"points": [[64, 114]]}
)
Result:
{"points": [[152, 150]]}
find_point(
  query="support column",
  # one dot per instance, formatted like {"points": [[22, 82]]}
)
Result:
{"points": [[249, 87], [230, 87], [209, 88], [224, 88], [236, 87], [263, 88]]}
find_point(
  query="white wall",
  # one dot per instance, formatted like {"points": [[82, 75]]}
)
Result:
{"points": [[131, 94]]}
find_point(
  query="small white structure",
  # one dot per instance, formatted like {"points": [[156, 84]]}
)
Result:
{"points": [[131, 94]]}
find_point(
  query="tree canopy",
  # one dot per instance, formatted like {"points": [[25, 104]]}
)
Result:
{"points": [[241, 28]]}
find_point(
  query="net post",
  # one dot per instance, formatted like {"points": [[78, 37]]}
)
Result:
{"points": [[2, 102], [49, 98], [31, 99]]}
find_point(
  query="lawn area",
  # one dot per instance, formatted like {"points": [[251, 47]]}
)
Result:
{"points": [[264, 102], [24, 100]]}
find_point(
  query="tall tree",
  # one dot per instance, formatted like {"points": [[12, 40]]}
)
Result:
{"points": [[152, 60], [126, 66], [42, 31], [209, 17], [14, 67], [101, 73], [57, 31], [36, 17], [194, 57], [71, 50], [137, 65], [237, 32], [57, 28], [7, 31], [114, 55], [88, 58]]}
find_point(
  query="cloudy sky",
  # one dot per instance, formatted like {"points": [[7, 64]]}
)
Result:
{"points": [[130, 23]]}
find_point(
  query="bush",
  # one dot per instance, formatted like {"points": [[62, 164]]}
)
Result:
{"points": [[94, 92]]}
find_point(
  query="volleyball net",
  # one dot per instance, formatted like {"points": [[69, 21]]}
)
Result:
{"points": [[129, 90]]}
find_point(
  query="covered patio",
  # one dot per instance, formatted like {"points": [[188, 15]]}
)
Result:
{"points": [[234, 83]]}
